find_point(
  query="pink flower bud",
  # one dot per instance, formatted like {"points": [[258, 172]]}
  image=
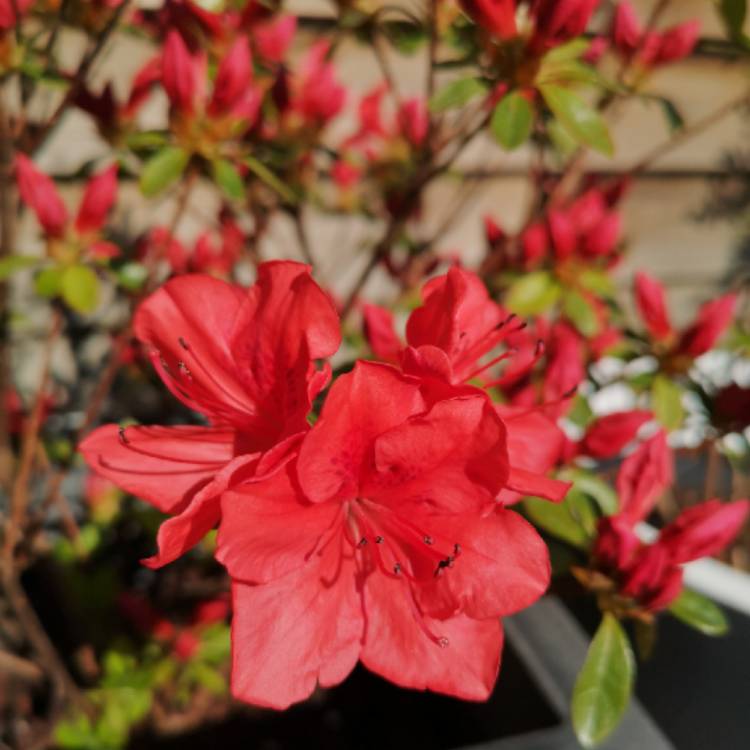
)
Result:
{"points": [[414, 120], [678, 42], [498, 17], [179, 73], [562, 230], [652, 307], [626, 28], [713, 320], [233, 78], [272, 39]]}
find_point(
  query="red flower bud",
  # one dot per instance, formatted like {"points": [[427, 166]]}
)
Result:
{"points": [[272, 39], [678, 42], [564, 237], [535, 243], [704, 529], [610, 434], [38, 191], [652, 307], [498, 17], [98, 199], [233, 78], [713, 320], [626, 28], [179, 73]]}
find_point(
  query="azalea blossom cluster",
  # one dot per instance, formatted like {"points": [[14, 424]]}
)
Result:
{"points": [[382, 535]]}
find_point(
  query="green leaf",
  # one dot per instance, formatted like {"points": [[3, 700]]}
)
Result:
{"points": [[579, 118], [571, 50], [261, 171], [671, 114], [457, 94], [604, 685], [700, 613], [666, 396], [406, 38], [533, 293], [132, 276], [595, 487], [79, 287], [581, 313], [148, 139], [228, 179], [733, 13], [47, 281], [512, 121], [599, 282], [12, 263], [163, 169], [557, 520]]}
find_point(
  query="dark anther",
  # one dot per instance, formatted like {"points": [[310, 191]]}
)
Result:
{"points": [[443, 564], [362, 542], [428, 540], [123, 438], [379, 540], [397, 568], [183, 343]]}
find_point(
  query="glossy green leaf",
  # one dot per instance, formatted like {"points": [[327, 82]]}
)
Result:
{"points": [[599, 282], [666, 396], [604, 686], [579, 118], [47, 281], [512, 121], [700, 613], [163, 169], [12, 263], [571, 50], [132, 276], [581, 313], [671, 114], [79, 287], [228, 179], [457, 94], [556, 519], [533, 293]]}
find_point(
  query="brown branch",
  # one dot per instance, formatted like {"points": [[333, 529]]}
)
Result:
{"points": [[7, 239], [79, 79], [20, 491], [302, 237]]}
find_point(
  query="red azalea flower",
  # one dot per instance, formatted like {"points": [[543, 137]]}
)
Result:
{"points": [[273, 38], [316, 93], [382, 543], [712, 321], [242, 358]]}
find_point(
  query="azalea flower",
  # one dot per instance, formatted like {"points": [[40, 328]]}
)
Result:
{"points": [[552, 22], [38, 191], [448, 338], [244, 359], [681, 347], [651, 48], [645, 578], [184, 77], [382, 542]]}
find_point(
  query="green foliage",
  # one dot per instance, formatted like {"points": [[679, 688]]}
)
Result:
{"points": [[666, 396], [533, 293], [580, 312], [604, 685], [228, 179], [457, 94], [13, 263], [594, 487], [132, 276], [572, 521], [700, 613], [512, 121], [163, 169], [585, 125], [261, 171], [79, 287]]}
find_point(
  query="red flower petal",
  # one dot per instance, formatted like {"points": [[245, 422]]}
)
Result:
{"points": [[380, 333], [503, 567], [361, 405], [233, 77], [398, 647], [713, 320], [166, 466], [610, 434], [293, 634]]}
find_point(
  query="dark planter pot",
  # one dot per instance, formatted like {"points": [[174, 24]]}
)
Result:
{"points": [[528, 710]]}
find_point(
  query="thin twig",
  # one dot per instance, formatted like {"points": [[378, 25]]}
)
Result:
{"points": [[302, 237]]}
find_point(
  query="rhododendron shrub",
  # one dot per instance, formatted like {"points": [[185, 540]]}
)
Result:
{"points": [[245, 456]]}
